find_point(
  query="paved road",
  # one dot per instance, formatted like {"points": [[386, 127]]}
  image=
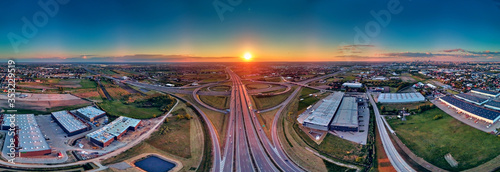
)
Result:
{"points": [[274, 130], [216, 164], [265, 154], [396, 160]]}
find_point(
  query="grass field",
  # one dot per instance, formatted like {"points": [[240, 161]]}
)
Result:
{"points": [[400, 106], [266, 119], [308, 100], [184, 142], [252, 86], [334, 167], [219, 120], [117, 108], [452, 92], [266, 102], [219, 102], [220, 88], [432, 139], [173, 137]]}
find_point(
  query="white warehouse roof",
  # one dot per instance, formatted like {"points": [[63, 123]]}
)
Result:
{"points": [[400, 97], [353, 85], [324, 113]]}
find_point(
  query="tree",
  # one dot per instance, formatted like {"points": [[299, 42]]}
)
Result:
{"points": [[179, 117], [188, 117]]}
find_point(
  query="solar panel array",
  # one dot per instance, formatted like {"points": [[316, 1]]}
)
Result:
{"points": [[486, 92], [469, 97], [493, 104], [476, 110]]}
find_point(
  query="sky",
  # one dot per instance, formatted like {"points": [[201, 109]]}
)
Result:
{"points": [[224, 30]]}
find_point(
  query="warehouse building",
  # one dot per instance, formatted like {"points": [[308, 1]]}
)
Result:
{"points": [[487, 115], [113, 131], [400, 97], [90, 113], [346, 118], [71, 124], [486, 92], [320, 116], [471, 98], [493, 105], [29, 138], [352, 85]]}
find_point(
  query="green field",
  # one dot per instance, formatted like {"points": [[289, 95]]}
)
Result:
{"points": [[86, 83], [452, 92], [252, 86], [173, 137], [180, 139], [219, 102], [265, 102], [308, 100], [117, 108], [334, 167], [432, 139]]}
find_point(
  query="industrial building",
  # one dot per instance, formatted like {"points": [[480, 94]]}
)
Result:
{"points": [[487, 115], [90, 113], [493, 105], [346, 118], [471, 98], [352, 85], [400, 97], [320, 116], [71, 124], [113, 131], [28, 138], [486, 92]]}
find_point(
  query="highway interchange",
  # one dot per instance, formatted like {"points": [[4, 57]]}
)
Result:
{"points": [[247, 147], [248, 143]]}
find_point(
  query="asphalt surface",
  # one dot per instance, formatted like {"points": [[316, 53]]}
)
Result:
{"points": [[396, 160], [266, 156]]}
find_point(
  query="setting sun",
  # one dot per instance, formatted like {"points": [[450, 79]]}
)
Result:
{"points": [[247, 56]]}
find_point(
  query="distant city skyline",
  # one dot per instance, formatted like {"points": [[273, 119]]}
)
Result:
{"points": [[216, 31]]}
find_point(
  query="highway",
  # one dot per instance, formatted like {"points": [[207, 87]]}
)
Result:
{"points": [[396, 160], [216, 164], [266, 156]]}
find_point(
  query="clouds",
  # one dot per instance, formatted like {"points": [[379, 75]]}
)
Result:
{"points": [[363, 52], [409, 54], [132, 58]]}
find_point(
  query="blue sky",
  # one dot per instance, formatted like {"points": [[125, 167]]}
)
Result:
{"points": [[295, 30]]}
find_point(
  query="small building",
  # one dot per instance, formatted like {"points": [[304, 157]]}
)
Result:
{"points": [[29, 138], [486, 92], [346, 118], [113, 131], [70, 124], [90, 113]]}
